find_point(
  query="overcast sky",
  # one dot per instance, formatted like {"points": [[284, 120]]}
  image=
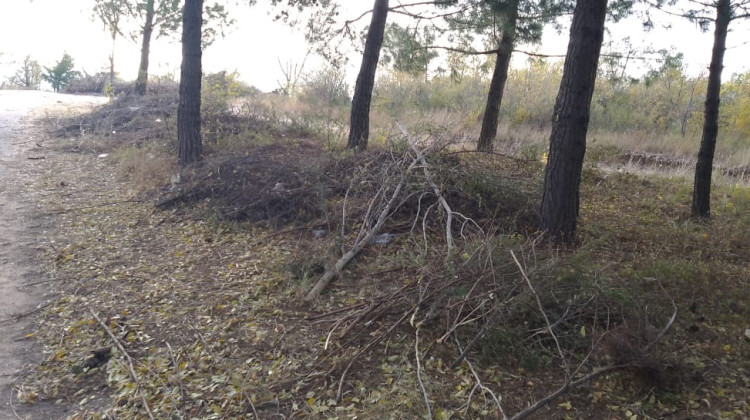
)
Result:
{"points": [[44, 29]]}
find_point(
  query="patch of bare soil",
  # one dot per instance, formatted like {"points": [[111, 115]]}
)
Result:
{"points": [[23, 282]]}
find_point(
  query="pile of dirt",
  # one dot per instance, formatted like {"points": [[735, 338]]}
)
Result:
{"points": [[271, 185], [298, 183]]}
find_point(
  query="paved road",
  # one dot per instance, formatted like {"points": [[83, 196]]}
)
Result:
{"points": [[19, 228]]}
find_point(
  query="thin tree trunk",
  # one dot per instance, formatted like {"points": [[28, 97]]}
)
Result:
{"points": [[190, 146], [359, 127], [112, 62], [148, 29], [562, 178], [688, 110], [497, 84], [702, 186]]}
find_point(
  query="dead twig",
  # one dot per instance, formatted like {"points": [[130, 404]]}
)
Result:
{"points": [[34, 283], [335, 312], [371, 344], [177, 374], [568, 384], [666, 328], [419, 374], [25, 314], [331, 273], [12, 407], [435, 188], [129, 365], [111, 203], [473, 341], [544, 313], [483, 387]]}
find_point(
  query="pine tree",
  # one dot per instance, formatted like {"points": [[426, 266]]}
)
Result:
{"points": [[190, 146]]}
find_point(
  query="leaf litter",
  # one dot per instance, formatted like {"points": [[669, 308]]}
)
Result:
{"points": [[205, 301]]}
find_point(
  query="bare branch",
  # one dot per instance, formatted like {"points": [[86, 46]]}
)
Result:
{"points": [[369, 345], [129, 365], [544, 313], [596, 373], [419, 374], [435, 188], [481, 385], [397, 9], [331, 273]]}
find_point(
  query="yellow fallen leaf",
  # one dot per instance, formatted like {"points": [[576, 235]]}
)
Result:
{"points": [[566, 405]]}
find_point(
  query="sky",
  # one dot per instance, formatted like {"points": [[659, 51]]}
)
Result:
{"points": [[254, 46]]}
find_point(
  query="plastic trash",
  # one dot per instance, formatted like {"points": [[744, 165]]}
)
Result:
{"points": [[383, 238]]}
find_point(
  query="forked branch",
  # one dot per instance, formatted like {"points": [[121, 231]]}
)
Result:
{"points": [[362, 241]]}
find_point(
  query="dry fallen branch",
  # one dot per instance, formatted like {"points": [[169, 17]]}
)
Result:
{"points": [[129, 360], [435, 188], [371, 344], [543, 312], [568, 384], [450, 214], [113, 203], [479, 384], [177, 375], [25, 314], [331, 273], [419, 374]]}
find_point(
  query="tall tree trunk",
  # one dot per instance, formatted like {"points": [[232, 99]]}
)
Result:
{"points": [[148, 29], [497, 84], [562, 178], [359, 127], [112, 62], [702, 186], [190, 146]]}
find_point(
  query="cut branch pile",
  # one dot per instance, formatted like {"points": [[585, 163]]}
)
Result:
{"points": [[492, 295]]}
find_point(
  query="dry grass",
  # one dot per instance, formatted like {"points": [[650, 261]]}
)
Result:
{"points": [[147, 170]]}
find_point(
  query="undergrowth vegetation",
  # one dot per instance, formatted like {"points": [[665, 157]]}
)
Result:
{"points": [[188, 288]]}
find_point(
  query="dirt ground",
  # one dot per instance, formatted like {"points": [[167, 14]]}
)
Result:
{"points": [[22, 282]]}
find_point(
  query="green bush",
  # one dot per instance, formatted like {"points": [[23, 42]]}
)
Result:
{"points": [[61, 74]]}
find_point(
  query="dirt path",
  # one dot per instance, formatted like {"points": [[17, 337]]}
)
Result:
{"points": [[22, 281]]}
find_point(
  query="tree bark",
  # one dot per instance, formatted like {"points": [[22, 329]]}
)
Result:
{"points": [[148, 28], [359, 127], [562, 178], [190, 147], [701, 206], [497, 84]]}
